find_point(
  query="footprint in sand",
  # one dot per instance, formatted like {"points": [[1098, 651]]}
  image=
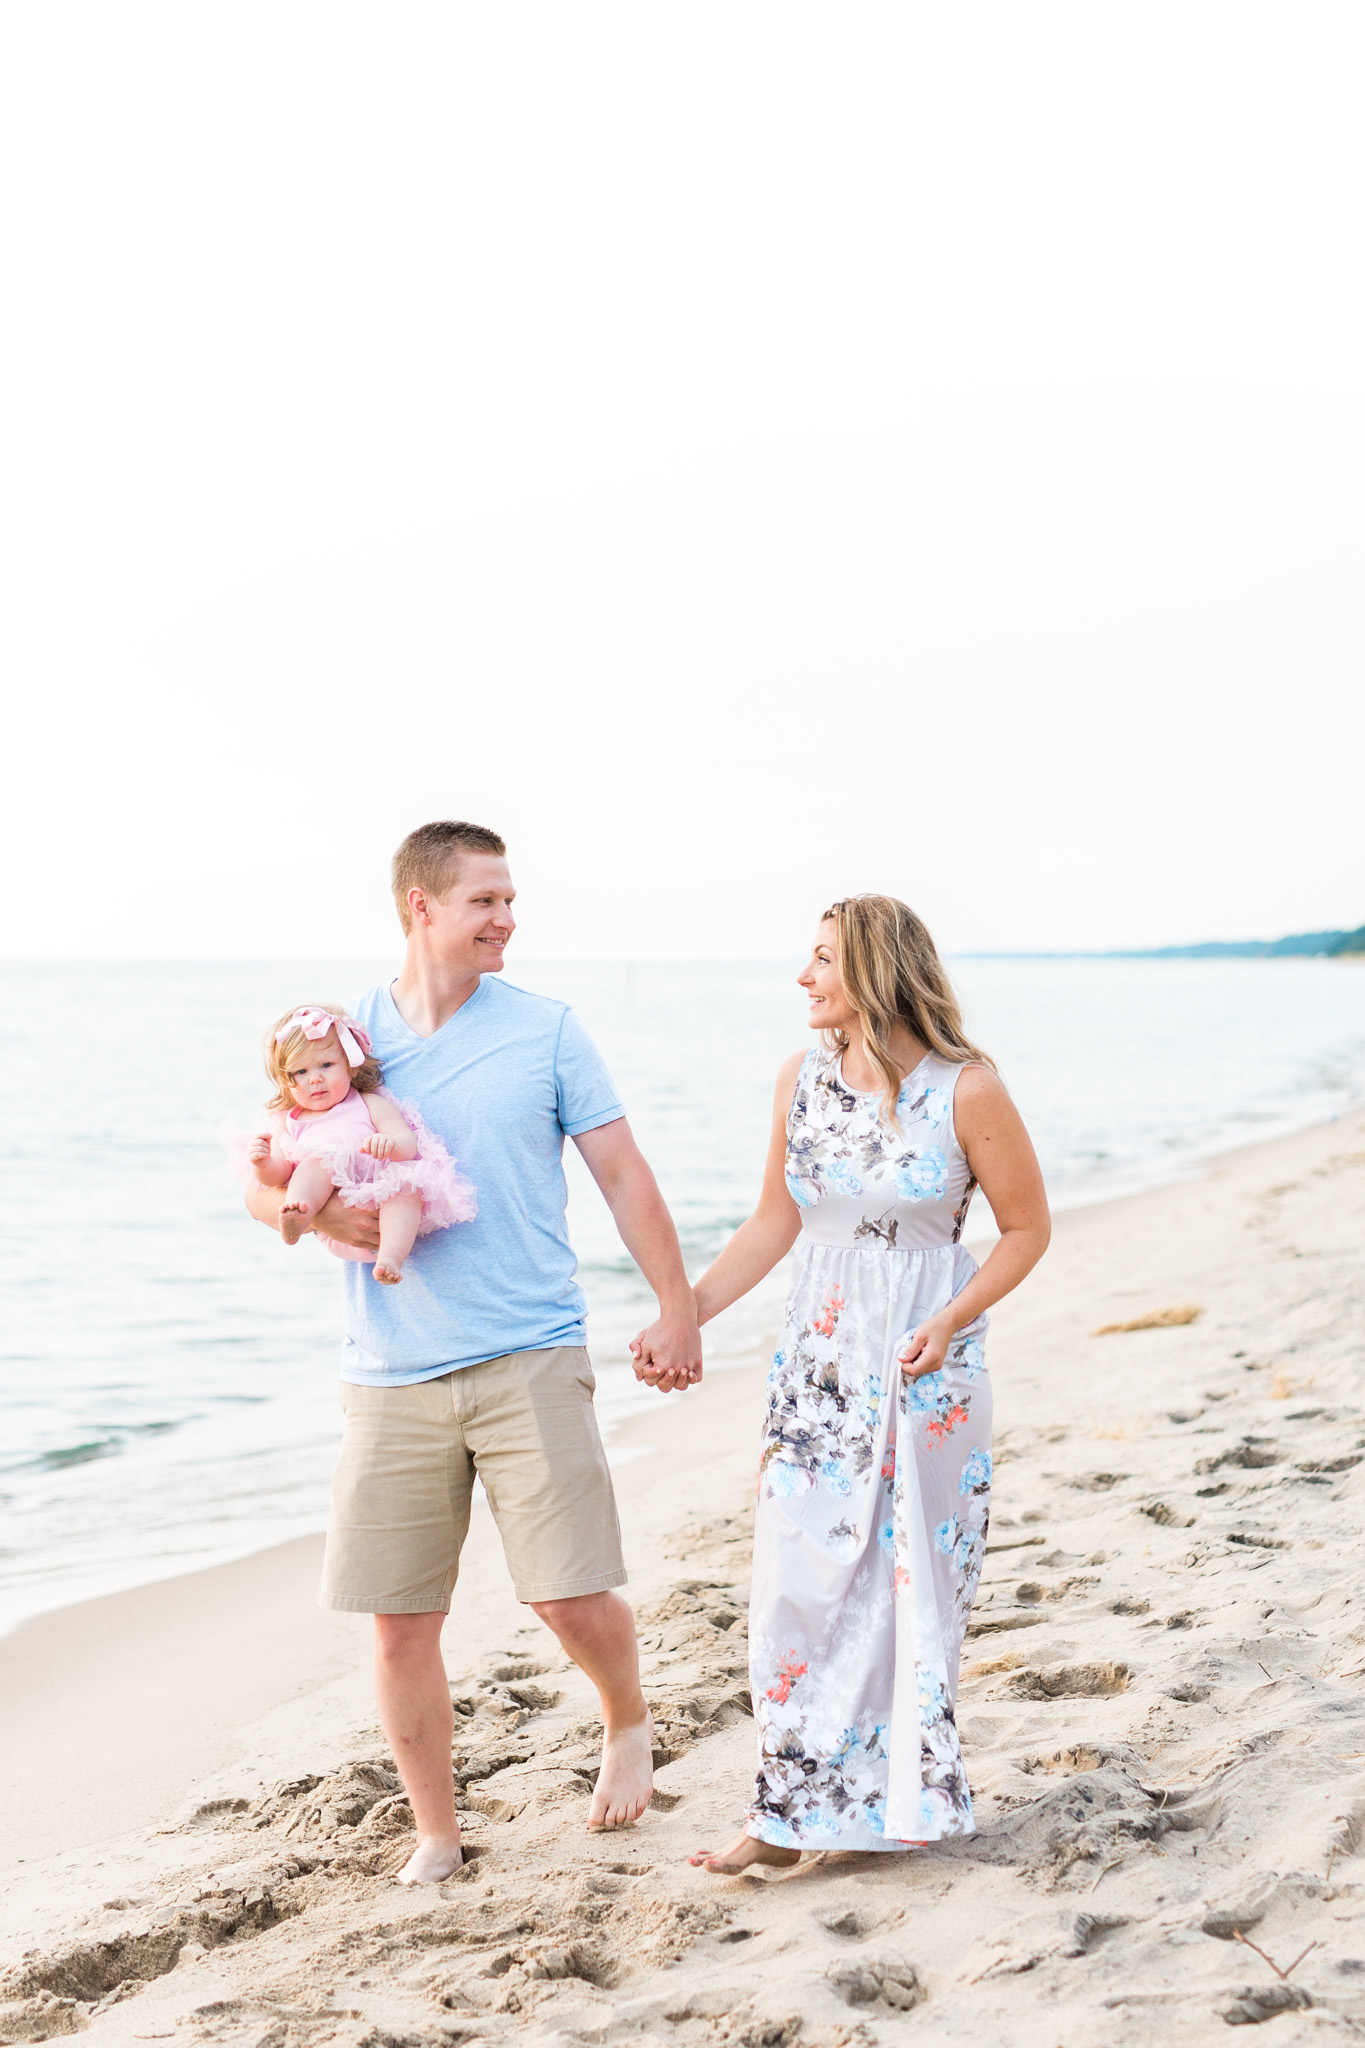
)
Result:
{"points": [[1069, 1681]]}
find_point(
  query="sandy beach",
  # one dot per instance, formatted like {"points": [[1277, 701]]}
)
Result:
{"points": [[1163, 1716]]}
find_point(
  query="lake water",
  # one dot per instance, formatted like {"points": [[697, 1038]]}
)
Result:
{"points": [[167, 1368]]}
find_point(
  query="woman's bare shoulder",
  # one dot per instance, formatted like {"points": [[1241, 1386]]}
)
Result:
{"points": [[786, 1078], [979, 1091]]}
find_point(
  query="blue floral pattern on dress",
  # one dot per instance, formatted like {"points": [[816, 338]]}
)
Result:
{"points": [[969, 1355], [838, 1140], [842, 1178], [887, 1478], [938, 1106], [976, 1473], [922, 1179]]}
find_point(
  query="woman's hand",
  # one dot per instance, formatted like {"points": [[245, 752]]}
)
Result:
{"points": [[650, 1374], [926, 1348], [668, 1354], [379, 1146], [358, 1227]]}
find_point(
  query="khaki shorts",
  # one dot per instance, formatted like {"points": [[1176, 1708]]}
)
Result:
{"points": [[401, 1495]]}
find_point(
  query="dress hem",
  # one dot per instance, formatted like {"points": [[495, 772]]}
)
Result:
{"points": [[872, 1845]]}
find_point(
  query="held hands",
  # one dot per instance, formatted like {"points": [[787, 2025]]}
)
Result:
{"points": [[378, 1146], [668, 1354], [926, 1348]]}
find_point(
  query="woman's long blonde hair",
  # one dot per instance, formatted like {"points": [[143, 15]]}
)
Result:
{"points": [[891, 974]]}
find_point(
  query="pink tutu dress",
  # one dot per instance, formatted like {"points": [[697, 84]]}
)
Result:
{"points": [[335, 1138]]}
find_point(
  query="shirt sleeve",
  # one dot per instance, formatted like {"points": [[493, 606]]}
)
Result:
{"points": [[585, 1090]]}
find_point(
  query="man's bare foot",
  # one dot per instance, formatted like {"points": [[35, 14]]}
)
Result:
{"points": [[431, 1861], [386, 1273], [294, 1217], [742, 1854], [626, 1779]]}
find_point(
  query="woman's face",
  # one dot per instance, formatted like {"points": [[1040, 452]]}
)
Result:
{"points": [[830, 1009]]}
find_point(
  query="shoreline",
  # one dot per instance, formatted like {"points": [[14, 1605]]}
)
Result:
{"points": [[1162, 1713], [618, 1452], [1102, 1194]]}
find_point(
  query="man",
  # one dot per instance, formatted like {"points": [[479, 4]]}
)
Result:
{"points": [[476, 1362]]}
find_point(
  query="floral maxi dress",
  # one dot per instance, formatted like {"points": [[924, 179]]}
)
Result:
{"points": [[874, 1489]]}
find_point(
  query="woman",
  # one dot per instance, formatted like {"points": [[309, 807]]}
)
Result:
{"points": [[874, 1483]]}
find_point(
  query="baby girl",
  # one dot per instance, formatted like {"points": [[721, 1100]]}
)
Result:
{"points": [[333, 1131]]}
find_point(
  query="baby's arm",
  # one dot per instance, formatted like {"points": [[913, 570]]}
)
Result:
{"points": [[268, 1163], [392, 1137]]}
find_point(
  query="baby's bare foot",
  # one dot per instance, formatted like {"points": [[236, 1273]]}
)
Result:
{"points": [[742, 1854], [431, 1861], [387, 1273], [294, 1220], [626, 1779]]}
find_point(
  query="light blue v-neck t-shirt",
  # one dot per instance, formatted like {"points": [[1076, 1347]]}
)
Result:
{"points": [[504, 1082]]}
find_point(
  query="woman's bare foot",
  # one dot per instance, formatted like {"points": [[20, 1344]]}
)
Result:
{"points": [[294, 1220], [742, 1854], [625, 1783], [386, 1273], [431, 1861]]}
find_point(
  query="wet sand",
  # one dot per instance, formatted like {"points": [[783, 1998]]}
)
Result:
{"points": [[111, 1710], [1163, 1715]]}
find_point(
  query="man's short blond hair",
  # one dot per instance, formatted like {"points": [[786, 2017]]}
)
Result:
{"points": [[429, 859]]}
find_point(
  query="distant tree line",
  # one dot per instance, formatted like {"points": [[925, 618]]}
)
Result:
{"points": [[1323, 944], [1320, 945]]}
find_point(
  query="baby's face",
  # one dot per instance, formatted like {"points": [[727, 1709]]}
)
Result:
{"points": [[320, 1078]]}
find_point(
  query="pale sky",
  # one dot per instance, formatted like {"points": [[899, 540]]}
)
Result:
{"points": [[744, 452]]}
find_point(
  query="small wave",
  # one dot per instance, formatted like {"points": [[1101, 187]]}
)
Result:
{"points": [[108, 1445], [73, 1454]]}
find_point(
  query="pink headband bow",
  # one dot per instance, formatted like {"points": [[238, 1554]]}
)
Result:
{"points": [[353, 1039]]}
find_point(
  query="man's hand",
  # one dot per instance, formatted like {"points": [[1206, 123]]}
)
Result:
{"points": [[358, 1227], [668, 1354]]}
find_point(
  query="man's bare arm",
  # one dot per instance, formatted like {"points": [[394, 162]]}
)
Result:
{"points": [[631, 1192]]}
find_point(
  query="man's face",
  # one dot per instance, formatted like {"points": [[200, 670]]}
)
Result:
{"points": [[470, 929]]}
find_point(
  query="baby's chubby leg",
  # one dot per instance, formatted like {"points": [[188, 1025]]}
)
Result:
{"points": [[398, 1221], [310, 1188]]}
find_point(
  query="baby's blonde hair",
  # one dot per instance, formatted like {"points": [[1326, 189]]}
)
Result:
{"points": [[283, 1054]]}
